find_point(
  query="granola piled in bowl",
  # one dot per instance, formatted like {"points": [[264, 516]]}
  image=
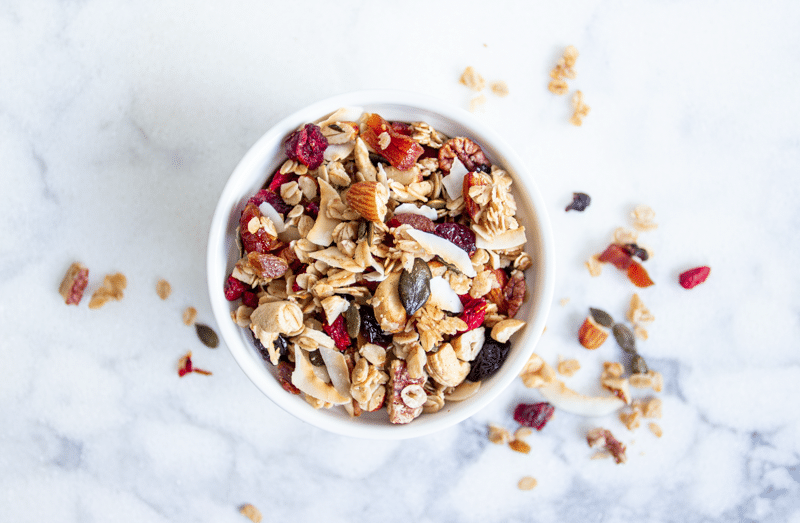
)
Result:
{"points": [[382, 269]]}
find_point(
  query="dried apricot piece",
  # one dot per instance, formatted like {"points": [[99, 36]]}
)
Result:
{"points": [[402, 151], [617, 255], [638, 275]]}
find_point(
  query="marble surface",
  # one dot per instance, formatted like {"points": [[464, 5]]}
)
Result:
{"points": [[121, 121]]}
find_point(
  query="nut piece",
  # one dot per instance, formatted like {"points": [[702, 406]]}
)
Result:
{"points": [[611, 379], [250, 512], [399, 412], [600, 437], [468, 345], [368, 199], [190, 314], [498, 435], [74, 283], [503, 330], [112, 288], [568, 367], [163, 289], [445, 367], [537, 372], [389, 310], [519, 446], [592, 334]]}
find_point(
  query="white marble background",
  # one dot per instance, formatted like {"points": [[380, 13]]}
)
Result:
{"points": [[121, 121]]}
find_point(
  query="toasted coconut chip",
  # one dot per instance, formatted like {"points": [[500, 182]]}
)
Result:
{"points": [[445, 249], [444, 297], [454, 182], [333, 307], [466, 390], [562, 397], [338, 151], [337, 369], [343, 114], [333, 257], [322, 231], [422, 210], [305, 379], [505, 240], [273, 215]]}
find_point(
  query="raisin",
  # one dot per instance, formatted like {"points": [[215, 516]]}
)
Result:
{"points": [[417, 221], [580, 201], [285, 370], [281, 345], [489, 360], [307, 146], [234, 288], [635, 250], [460, 235], [534, 415], [694, 277], [370, 329], [338, 332]]}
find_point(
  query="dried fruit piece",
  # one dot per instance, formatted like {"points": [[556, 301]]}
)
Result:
{"points": [[592, 334], [624, 338], [257, 240], [415, 286], [601, 317], [185, 366], [371, 330], [417, 221], [635, 250], [307, 146], [285, 370], [401, 151], [267, 266], [338, 332], [250, 299], [234, 289], [74, 283], [489, 360], [207, 335], [694, 277], [600, 437], [580, 201], [534, 415], [616, 255], [638, 275], [474, 311], [468, 153], [368, 199], [457, 234]]}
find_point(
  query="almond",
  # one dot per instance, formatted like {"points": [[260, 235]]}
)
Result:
{"points": [[592, 334], [368, 199]]}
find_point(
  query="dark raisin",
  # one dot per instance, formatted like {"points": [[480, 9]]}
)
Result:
{"points": [[534, 415], [635, 250], [376, 159], [624, 338], [281, 344], [460, 235], [315, 357], [483, 168], [580, 201], [415, 286], [601, 317], [489, 359], [370, 329]]}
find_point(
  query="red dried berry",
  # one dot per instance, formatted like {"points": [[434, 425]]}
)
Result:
{"points": [[285, 370], [312, 209], [474, 311], [417, 221], [534, 415], [694, 277], [338, 331], [279, 179], [234, 289], [460, 235], [307, 146], [402, 128], [616, 255], [250, 299]]}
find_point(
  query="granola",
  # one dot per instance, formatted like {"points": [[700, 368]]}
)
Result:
{"points": [[331, 261]]}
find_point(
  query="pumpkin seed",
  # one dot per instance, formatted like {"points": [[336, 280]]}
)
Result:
{"points": [[624, 338], [207, 335], [437, 203], [601, 317], [639, 365], [352, 319], [415, 286], [315, 357]]}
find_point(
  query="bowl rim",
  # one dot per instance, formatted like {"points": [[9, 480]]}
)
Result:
{"points": [[216, 260]]}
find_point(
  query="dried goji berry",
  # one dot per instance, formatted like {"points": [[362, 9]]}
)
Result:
{"points": [[338, 332], [694, 277], [234, 288], [534, 415], [307, 146]]}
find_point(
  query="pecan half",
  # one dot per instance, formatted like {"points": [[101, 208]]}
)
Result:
{"points": [[468, 152]]}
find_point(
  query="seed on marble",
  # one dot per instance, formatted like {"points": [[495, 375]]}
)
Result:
{"points": [[207, 335]]}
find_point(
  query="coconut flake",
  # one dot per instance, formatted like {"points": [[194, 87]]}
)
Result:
{"points": [[564, 398], [343, 114], [322, 231], [444, 297], [505, 240], [446, 250], [338, 151], [274, 216], [454, 182], [337, 369], [304, 378], [422, 210]]}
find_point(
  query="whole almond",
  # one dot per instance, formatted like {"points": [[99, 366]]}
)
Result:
{"points": [[592, 334], [368, 199]]}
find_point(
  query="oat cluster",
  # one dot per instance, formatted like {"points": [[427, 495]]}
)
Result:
{"points": [[563, 71], [475, 82]]}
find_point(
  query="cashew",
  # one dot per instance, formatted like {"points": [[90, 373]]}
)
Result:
{"points": [[445, 367]]}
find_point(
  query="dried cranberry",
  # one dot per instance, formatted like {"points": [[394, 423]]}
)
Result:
{"points": [[580, 201], [234, 289], [402, 128], [307, 146], [279, 179], [250, 299], [489, 360], [338, 331], [460, 235], [370, 329], [534, 415], [312, 208], [417, 221], [694, 277], [474, 311]]}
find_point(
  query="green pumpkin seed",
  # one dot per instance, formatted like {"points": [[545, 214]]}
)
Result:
{"points": [[415, 286], [315, 357], [624, 338], [639, 365], [352, 320], [601, 317], [207, 335]]}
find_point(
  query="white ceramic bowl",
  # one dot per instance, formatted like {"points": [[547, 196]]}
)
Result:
{"points": [[267, 155]]}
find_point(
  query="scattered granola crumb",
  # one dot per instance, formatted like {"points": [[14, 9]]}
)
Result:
{"points": [[185, 366], [74, 283], [498, 435], [652, 379], [624, 236], [600, 437], [500, 88], [581, 110], [631, 418], [189, 315], [521, 433], [562, 70], [163, 289], [113, 285], [527, 483], [558, 87], [564, 301], [519, 446], [568, 367], [250, 512], [472, 79], [594, 266], [655, 429], [643, 217], [601, 454], [477, 103]]}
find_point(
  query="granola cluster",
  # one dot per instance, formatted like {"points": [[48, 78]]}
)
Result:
{"points": [[389, 274]]}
